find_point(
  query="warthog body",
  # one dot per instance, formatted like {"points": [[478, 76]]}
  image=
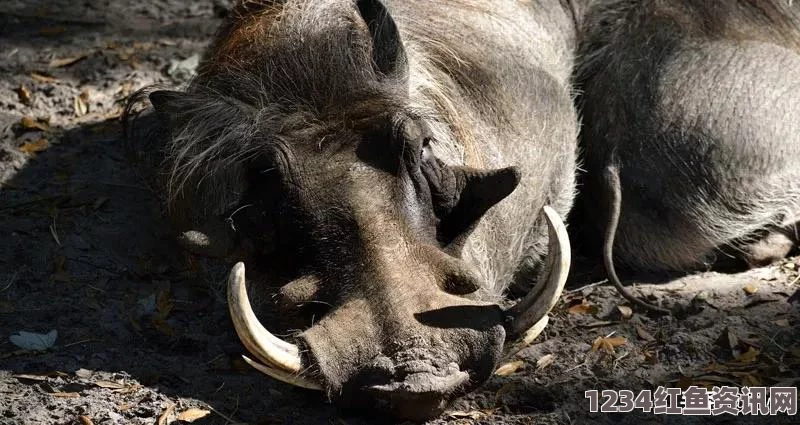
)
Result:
{"points": [[357, 148], [694, 105]]}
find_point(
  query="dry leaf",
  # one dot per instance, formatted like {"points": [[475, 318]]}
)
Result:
{"points": [[750, 288], [509, 368], [608, 343], [52, 30], [43, 78], [544, 361], [109, 384], [59, 264], [85, 420], [125, 88], [164, 304], [83, 373], [164, 418], [32, 377], [34, 341], [643, 334], [24, 94], [39, 376], [58, 63], [60, 273], [748, 356], [35, 146], [80, 105], [472, 414], [65, 395], [583, 308], [114, 114], [625, 311], [97, 204], [715, 379], [162, 326], [192, 415], [30, 123], [616, 341], [598, 323], [782, 323]]}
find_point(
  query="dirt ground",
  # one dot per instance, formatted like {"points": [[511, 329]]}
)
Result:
{"points": [[143, 334]]}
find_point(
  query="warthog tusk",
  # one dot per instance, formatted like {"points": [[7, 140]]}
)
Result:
{"points": [[526, 339], [258, 340], [535, 306], [283, 376]]}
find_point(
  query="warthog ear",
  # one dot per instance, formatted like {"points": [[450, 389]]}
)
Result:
{"points": [[387, 48], [165, 101], [462, 195]]}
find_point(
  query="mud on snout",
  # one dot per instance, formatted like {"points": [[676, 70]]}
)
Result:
{"points": [[407, 351]]}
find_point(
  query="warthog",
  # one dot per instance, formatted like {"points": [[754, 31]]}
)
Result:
{"points": [[690, 129], [362, 151]]}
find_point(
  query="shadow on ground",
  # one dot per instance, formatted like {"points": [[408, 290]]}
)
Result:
{"points": [[88, 255]]}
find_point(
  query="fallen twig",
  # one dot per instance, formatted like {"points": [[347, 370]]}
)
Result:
{"points": [[591, 285]]}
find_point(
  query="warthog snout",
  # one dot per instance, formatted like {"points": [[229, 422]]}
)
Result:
{"points": [[411, 355]]}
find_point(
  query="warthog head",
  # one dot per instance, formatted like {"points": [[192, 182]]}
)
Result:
{"points": [[309, 137]]}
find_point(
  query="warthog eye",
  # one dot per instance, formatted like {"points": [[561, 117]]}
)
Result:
{"points": [[427, 155]]}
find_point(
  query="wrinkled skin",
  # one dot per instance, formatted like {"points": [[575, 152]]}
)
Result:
{"points": [[385, 161], [695, 104]]}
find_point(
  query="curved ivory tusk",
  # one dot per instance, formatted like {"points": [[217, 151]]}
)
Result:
{"points": [[258, 340], [283, 376], [535, 306]]}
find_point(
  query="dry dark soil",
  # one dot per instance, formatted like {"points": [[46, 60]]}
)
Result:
{"points": [[143, 335]]}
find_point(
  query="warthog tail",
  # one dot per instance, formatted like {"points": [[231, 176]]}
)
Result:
{"points": [[614, 192]]}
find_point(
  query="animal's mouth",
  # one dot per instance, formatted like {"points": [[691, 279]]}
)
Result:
{"points": [[414, 380], [426, 381], [420, 395]]}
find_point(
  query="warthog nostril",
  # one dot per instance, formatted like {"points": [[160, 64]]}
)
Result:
{"points": [[419, 366]]}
